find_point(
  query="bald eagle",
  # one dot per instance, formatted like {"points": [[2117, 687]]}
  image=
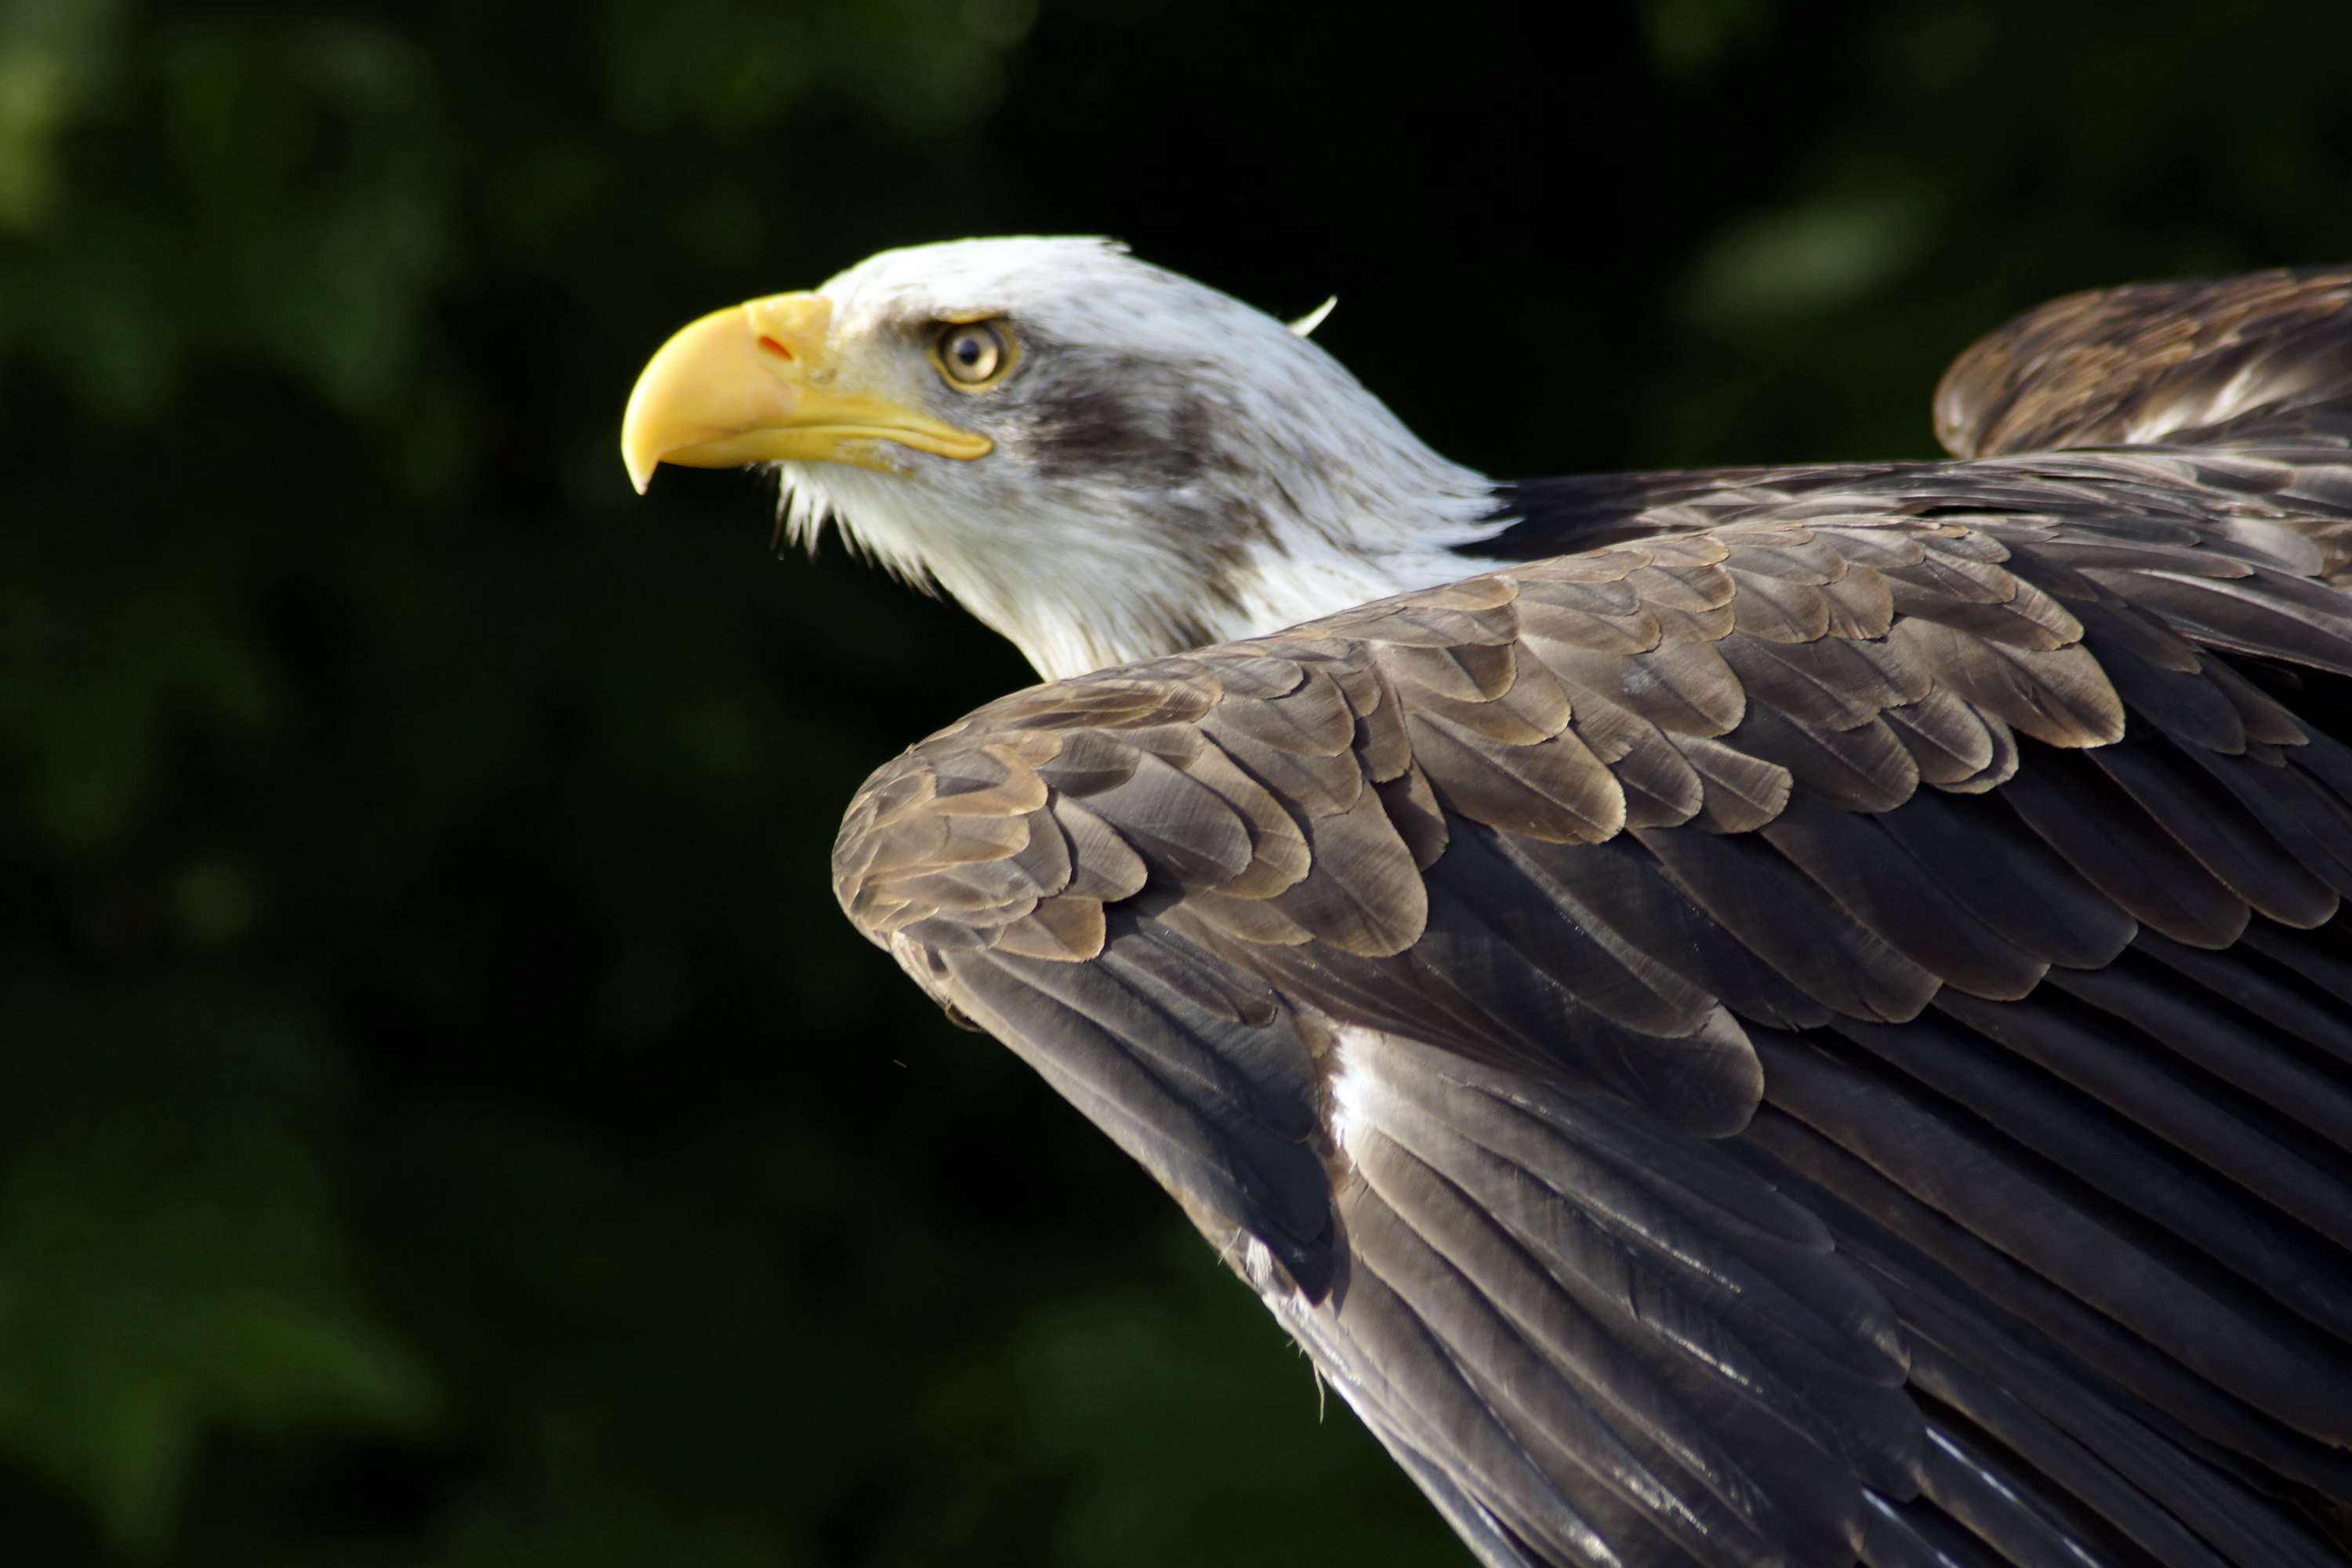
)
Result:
{"points": [[1773, 1015]]}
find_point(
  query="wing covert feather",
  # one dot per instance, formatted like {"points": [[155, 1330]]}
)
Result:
{"points": [[1815, 1041]]}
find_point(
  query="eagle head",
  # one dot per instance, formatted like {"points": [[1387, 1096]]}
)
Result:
{"points": [[1102, 459]]}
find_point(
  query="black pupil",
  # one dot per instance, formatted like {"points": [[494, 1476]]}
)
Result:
{"points": [[967, 350]]}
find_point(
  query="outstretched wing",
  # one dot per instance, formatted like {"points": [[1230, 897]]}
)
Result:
{"points": [[1812, 1039], [2183, 364], [2239, 391]]}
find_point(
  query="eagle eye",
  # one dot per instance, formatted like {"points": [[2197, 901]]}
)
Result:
{"points": [[974, 354]]}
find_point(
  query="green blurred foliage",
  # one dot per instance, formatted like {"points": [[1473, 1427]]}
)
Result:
{"points": [[443, 1119], [1996, 154]]}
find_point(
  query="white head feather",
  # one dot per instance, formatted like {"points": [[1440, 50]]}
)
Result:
{"points": [[1171, 466]]}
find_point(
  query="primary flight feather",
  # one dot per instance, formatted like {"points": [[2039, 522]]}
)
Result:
{"points": [[1763, 1017]]}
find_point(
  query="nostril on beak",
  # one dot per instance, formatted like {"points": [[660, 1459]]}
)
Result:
{"points": [[771, 346]]}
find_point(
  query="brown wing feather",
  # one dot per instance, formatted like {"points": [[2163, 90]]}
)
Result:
{"points": [[1437, 956], [2153, 362]]}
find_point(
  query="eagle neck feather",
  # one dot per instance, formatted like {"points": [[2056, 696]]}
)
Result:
{"points": [[1081, 574]]}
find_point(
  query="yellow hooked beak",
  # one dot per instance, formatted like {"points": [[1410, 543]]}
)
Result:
{"points": [[761, 381]]}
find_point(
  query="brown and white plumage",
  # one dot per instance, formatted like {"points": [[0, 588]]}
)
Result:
{"points": [[1796, 1015]]}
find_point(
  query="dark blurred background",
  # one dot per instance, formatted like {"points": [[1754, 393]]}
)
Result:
{"points": [[442, 1117]]}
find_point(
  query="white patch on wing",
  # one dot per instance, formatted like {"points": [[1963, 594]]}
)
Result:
{"points": [[1357, 1091]]}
